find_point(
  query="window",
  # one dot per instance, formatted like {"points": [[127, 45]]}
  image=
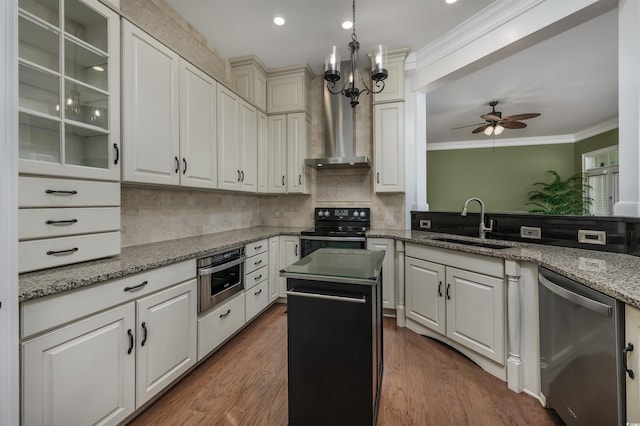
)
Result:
{"points": [[600, 170]]}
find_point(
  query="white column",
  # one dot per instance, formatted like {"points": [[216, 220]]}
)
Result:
{"points": [[9, 367], [514, 362], [629, 107]]}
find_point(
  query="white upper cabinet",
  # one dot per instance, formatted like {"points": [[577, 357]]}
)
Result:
{"points": [[150, 109], [277, 154], [298, 128], [198, 138], [263, 152], [389, 147], [394, 84], [69, 89], [237, 142], [249, 80], [288, 90]]}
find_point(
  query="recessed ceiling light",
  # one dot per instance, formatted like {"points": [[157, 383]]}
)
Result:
{"points": [[347, 25], [278, 20], [450, 1]]}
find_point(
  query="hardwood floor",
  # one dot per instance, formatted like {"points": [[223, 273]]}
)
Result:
{"points": [[424, 383]]}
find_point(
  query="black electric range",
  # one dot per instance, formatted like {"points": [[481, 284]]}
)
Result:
{"points": [[337, 227]]}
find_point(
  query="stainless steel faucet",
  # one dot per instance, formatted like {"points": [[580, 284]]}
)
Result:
{"points": [[482, 228]]}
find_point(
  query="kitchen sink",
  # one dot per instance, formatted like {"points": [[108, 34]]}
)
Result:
{"points": [[472, 243]]}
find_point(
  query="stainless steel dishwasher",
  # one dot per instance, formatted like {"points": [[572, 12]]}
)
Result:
{"points": [[581, 343]]}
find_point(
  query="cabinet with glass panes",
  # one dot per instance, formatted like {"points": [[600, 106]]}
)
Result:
{"points": [[69, 89]]}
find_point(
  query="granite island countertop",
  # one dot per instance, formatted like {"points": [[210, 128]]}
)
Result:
{"points": [[617, 275]]}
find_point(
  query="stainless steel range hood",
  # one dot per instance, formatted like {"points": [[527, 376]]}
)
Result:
{"points": [[339, 136]]}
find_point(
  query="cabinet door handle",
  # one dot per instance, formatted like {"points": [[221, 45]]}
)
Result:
{"points": [[282, 180], [238, 175], [144, 337], [296, 251], [115, 146], [226, 314], [257, 292], [61, 222], [440, 289], [57, 252], [242, 173], [300, 180], [625, 352], [177, 164], [184, 162], [130, 341], [378, 177], [135, 287], [60, 192], [448, 295]]}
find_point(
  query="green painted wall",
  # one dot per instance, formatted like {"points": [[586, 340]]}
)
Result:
{"points": [[500, 177], [594, 143]]}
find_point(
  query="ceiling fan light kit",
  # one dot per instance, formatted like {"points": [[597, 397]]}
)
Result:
{"points": [[332, 69], [495, 124]]}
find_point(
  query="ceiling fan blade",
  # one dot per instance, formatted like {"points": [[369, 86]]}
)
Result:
{"points": [[513, 125], [480, 129], [519, 117], [491, 117], [468, 125]]}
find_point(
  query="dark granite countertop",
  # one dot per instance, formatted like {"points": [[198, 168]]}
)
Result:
{"points": [[617, 275]]}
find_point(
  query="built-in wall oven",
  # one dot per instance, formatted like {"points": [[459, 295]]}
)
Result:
{"points": [[337, 227], [220, 276]]}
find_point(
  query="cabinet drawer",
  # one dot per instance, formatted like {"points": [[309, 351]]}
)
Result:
{"points": [[256, 299], [45, 223], [256, 262], [41, 254], [256, 277], [44, 313], [218, 325], [256, 247], [45, 192]]}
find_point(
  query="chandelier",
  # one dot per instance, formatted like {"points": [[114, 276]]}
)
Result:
{"points": [[349, 88]]}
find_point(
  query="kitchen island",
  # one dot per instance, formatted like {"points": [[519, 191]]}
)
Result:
{"points": [[334, 324]]}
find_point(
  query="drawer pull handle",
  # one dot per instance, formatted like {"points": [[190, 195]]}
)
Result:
{"points": [[257, 292], [144, 338], [115, 146], [130, 341], [57, 252], [258, 262], [135, 287], [258, 247], [226, 314], [61, 222], [60, 192], [258, 277]]}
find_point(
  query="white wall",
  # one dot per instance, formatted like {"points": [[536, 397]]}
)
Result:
{"points": [[9, 389]]}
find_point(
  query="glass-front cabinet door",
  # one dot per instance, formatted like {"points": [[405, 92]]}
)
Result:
{"points": [[69, 89]]}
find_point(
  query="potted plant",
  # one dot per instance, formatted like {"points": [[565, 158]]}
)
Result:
{"points": [[560, 196]]}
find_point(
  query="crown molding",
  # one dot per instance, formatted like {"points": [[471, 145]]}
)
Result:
{"points": [[605, 126]]}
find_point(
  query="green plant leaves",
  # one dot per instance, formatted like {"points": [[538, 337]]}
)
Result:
{"points": [[565, 197]]}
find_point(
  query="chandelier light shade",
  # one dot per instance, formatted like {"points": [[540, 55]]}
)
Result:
{"points": [[353, 73]]}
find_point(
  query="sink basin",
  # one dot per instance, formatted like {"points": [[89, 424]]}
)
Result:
{"points": [[472, 243]]}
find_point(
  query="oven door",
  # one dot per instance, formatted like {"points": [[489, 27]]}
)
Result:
{"points": [[311, 243], [220, 282]]}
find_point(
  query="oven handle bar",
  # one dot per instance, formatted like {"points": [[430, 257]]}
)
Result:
{"points": [[222, 267], [293, 292], [585, 302], [312, 238]]}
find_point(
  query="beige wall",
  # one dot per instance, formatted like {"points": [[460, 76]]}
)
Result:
{"points": [[151, 214]]}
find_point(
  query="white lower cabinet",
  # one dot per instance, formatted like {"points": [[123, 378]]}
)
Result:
{"points": [[388, 269], [217, 325], [467, 307], [166, 344], [256, 299], [83, 373], [97, 369], [289, 253], [632, 336]]}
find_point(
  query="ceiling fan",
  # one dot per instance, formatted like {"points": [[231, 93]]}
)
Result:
{"points": [[495, 123]]}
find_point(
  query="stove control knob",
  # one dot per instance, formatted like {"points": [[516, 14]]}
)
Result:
{"points": [[320, 213], [362, 214], [326, 213], [355, 213]]}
